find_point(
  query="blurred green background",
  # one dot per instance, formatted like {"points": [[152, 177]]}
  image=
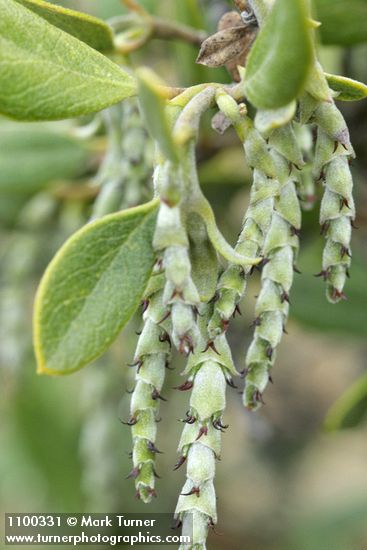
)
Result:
{"points": [[284, 483]]}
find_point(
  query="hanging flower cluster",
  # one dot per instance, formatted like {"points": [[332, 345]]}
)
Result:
{"points": [[169, 252], [287, 161]]}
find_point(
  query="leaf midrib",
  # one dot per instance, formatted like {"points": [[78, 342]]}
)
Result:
{"points": [[98, 282], [65, 68]]}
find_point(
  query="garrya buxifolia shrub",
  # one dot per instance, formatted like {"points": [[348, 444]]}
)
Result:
{"points": [[57, 64]]}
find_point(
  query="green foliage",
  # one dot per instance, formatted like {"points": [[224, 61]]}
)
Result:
{"points": [[32, 157], [92, 288], [94, 32], [166, 253], [203, 257], [153, 107], [343, 23], [346, 88], [350, 409], [46, 74], [280, 60]]}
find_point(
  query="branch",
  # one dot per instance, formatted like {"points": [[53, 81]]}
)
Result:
{"points": [[152, 27], [167, 30]]}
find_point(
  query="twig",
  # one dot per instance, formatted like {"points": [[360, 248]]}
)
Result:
{"points": [[167, 30], [155, 27], [181, 96]]}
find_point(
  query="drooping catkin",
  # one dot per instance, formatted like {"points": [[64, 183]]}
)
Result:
{"points": [[271, 311], [280, 253], [233, 282], [177, 186], [151, 360], [275, 158], [337, 213], [180, 295], [122, 178], [126, 168], [208, 371]]}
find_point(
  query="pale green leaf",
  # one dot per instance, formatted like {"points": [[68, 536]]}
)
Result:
{"points": [[47, 74], [268, 120], [91, 30], [154, 111], [31, 157], [203, 257], [91, 289], [351, 407], [347, 88], [280, 59], [344, 23]]}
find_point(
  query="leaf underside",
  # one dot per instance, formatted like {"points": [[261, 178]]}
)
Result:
{"points": [[280, 59], [91, 289], [47, 74]]}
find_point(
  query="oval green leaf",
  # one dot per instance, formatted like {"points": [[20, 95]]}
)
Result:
{"points": [[154, 110], [91, 289], [91, 30], [280, 59], [347, 88], [203, 257], [343, 23], [47, 74], [350, 409]]}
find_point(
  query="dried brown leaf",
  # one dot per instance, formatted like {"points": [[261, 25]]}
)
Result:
{"points": [[230, 46], [233, 19], [222, 47], [230, 19], [232, 66]]}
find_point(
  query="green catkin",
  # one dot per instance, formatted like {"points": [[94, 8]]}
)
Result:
{"points": [[208, 371], [122, 177], [276, 222], [337, 213], [271, 312], [151, 360], [280, 252], [175, 184], [268, 165], [233, 282], [180, 295], [125, 171]]}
